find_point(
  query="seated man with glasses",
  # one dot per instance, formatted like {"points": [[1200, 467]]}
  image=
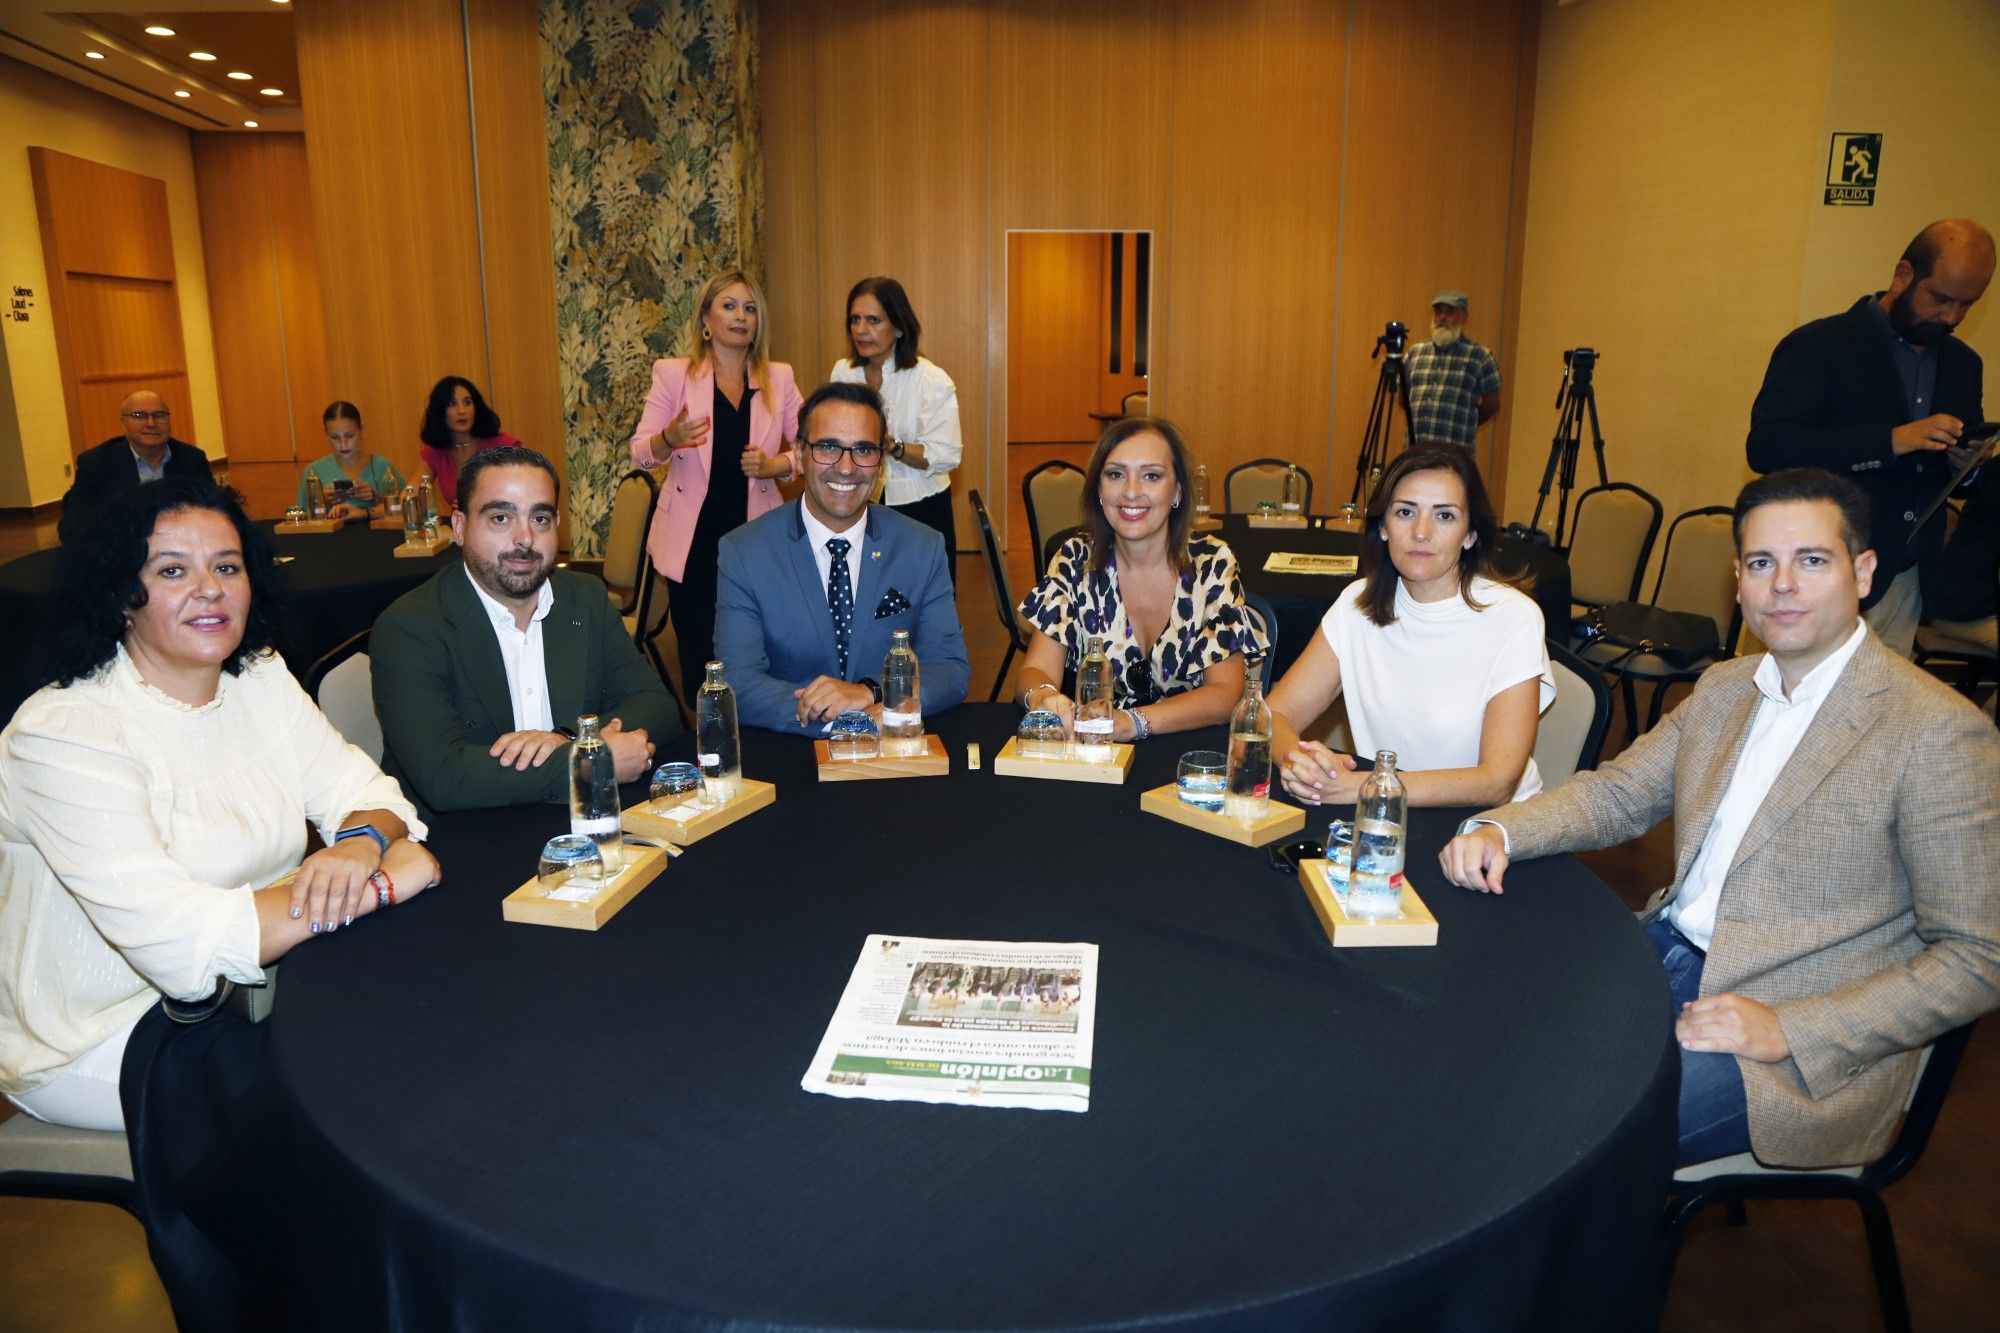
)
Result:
{"points": [[808, 595], [146, 451]]}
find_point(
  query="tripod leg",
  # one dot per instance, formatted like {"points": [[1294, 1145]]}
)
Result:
{"points": [[1596, 435]]}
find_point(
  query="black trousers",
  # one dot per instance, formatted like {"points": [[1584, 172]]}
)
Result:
{"points": [[934, 511], [691, 606]]}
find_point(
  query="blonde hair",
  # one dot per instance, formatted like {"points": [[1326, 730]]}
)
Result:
{"points": [[698, 352]]}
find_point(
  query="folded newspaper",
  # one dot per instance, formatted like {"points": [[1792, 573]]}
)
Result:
{"points": [[963, 1022]]}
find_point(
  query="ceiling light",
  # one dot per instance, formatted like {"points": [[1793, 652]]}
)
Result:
{"points": [[249, 124], [200, 55], [95, 55], [239, 75], [182, 92], [272, 92], [157, 31]]}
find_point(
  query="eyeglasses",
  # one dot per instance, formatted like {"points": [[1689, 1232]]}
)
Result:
{"points": [[142, 418], [829, 451]]}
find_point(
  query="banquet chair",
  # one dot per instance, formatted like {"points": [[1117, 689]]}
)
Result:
{"points": [[1137, 404], [1053, 493], [1732, 1180], [43, 1161], [340, 684], [1943, 643], [1055, 543], [1250, 484], [1697, 574], [1003, 601], [1608, 554], [1570, 736], [1267, 621]]}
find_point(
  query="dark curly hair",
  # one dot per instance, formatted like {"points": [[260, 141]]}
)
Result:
{"points": [[97, 579], [435, 433]]}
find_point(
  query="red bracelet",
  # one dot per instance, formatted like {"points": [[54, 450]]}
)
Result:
{"points": [[385, 888]]}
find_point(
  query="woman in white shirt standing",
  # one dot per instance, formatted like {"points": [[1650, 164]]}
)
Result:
{"points": [[155, 795], [1440, 662], [924, 445]]}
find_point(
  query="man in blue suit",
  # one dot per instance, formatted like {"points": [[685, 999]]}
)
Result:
{"points": [[808, 595]]}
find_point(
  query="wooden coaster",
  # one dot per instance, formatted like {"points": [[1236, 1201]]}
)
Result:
{"points": [[932, 763], [1010, 762], [650, 820], [1416, 926], [420, 548], [530, 905], [1275, 520], [1278, 821], [1209, 524], [309, 525], [389, 523]]}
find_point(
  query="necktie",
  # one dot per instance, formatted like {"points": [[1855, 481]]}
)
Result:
{"points": [[840, 600]]}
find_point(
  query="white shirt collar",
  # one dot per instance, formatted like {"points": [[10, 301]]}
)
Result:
{"points": [[1817, 683], [502, 614], [819, 533]]}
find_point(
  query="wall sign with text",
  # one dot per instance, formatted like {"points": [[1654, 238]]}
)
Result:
{"points": [[1853, 163], [19, 304]]}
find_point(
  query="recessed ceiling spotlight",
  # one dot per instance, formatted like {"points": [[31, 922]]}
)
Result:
{"points": [[157, 31], [272, 92], [239, 76], [249, 124], [94, 55], [182, 92], [200, 55]]}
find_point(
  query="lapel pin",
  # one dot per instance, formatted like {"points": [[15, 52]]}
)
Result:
{"points": [[874, 555]]}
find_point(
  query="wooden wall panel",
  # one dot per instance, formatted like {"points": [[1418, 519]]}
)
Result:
{"points": [[390, 137], [108, 250], [301, 298], [1112, 386], [506, 61], [239, 244], [1055, 286]]}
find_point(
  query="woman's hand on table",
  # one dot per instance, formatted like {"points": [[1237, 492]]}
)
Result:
{"points": [[1055, 701], [344, 511], [410, 867], [1317, 775], [332, 884]]}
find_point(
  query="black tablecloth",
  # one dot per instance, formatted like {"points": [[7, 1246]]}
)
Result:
{"points": [[336, 583], [1300, 600], [507, 1125]]}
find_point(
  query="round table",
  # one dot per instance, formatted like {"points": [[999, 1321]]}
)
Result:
{"points": [[515, 1125], [1300, 601], [336, 583]]}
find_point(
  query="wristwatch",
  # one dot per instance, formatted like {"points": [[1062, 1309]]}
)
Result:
{"points": [[874, 687], [364, 831]]}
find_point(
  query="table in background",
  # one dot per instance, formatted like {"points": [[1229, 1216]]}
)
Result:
{"points": [[519, 1126], [336, 583], [1301, 600]]}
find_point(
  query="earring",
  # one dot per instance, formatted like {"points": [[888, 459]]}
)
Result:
{"points": [[705, 334], [1176, 505]]}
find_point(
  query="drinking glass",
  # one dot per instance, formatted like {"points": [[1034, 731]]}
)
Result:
{"points": [[1203, 779], [570, 860], [672, 782], [1042, 736], [854, 735]]}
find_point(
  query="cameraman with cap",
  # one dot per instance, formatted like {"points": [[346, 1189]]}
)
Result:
{"points": [[1454, 382]]}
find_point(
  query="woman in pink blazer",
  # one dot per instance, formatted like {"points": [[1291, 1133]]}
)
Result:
{"points": [[722, 419]]}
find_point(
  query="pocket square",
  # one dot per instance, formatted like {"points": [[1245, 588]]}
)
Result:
{"points": [[892, 603]]}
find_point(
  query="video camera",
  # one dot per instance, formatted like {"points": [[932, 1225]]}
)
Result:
{"points": [[1578, 362], [1394, 337]]}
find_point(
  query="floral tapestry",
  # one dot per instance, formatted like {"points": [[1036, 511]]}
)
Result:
{"points": [[654, 184]]}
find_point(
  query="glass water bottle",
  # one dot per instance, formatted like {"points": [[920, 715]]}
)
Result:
{"points": [[1093, 703], [902, 698], [717, 746], [413, 519], [1381, 827], [315, 495], [1293, 500], [1249, 794], [1201, 502], [593, 792]]}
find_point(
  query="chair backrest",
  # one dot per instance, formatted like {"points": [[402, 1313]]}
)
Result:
{"points": [[632, 507], [1934, 1076], [1053, 492], [1247, 485], [1139, 404], [1570, 736], [996, 570], [40, 1160], [1697, 573], [1267, 621], [340, 684], [1608, 554], [1056, 540]]}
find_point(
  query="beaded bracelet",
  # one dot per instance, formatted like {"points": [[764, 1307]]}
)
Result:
{"points": [[1141, 728], [385, 888]]}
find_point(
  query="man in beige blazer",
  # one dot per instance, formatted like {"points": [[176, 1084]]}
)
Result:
{"points": [[1836, 895]]}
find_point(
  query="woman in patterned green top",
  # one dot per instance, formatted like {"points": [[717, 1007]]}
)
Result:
{"points": [[356, 481]]}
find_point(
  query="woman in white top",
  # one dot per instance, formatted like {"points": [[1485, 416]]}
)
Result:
{"points": [[920, 400], [1440, 663], [154, 797]]}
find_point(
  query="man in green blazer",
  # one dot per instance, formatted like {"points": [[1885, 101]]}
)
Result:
{"points": [[480, 674]]}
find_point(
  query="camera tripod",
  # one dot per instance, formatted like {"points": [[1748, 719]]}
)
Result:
{"points": [[1392, 387], [1577, 397]]}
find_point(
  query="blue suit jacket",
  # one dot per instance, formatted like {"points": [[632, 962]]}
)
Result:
{"points": [[773, 631]]}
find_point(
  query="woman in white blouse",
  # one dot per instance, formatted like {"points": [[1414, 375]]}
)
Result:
{"points": [[920, 400], [154, 797], [1440, 662]]}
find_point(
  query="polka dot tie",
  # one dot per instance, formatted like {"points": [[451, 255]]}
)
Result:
{"points": [[840, 599]]}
